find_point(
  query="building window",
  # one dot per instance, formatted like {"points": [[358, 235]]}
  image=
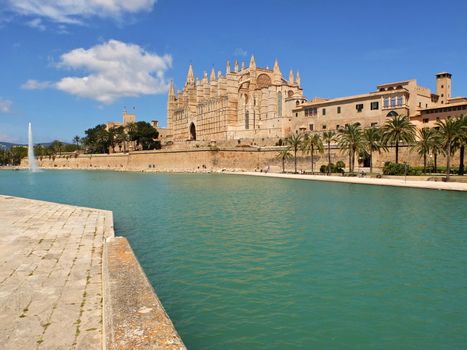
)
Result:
{"points": [[420, 104], [311, 127], [359, 107], [296, 114], [324, 126], [373, 125], [386, 102], [279, 104], [425, 120], [338, 110], [247, 120], [337, 127], [324, 111], [393, 102], [399, 100], [310, 112], [374, 106]]}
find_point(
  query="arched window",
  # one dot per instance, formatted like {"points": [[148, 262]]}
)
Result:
{"points": [[392, 114], [192, 132], [279, 104]]}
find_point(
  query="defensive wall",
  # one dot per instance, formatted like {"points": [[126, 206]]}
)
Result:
{"points": [[243, 158]]}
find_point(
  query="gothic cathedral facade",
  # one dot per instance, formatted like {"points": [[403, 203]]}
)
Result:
{"points": [[245, 103]]}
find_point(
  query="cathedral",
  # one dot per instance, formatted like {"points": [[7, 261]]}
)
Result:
{"points": [[244, 103]]}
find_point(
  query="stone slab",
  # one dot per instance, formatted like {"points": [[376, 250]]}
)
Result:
{"points": [[134, 318]]}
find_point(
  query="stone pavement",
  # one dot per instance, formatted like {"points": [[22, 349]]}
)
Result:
{"points": [[51, 274], [432, 185]]}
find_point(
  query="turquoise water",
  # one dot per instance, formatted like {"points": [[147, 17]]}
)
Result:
{"points": [[254, 263]]}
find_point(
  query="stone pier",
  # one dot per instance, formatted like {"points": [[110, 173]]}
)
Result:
{"points": [[55, 281]]}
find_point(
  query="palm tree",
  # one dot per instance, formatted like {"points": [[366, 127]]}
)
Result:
{"points": [[372, 140], [294, 141], [328, 137], [350, 138], [398, 129], [283, 155], [76, 141], [424, 144], [448, 130], [436, 148], [461, 141], [312, 143]]}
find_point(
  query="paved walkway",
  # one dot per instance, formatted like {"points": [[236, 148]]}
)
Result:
{"points": [[451, 186], [51, 274]]}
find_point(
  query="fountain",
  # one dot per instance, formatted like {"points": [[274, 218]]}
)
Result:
{"points": [[31, 159]]}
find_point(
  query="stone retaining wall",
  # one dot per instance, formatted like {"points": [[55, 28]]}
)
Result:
{"points": [[134, 318], [199, 159]]}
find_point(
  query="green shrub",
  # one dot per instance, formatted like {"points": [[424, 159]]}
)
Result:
{"points": [[337, 168], [391, 168]]}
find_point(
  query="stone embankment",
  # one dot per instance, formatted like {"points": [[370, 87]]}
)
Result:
{"points": [[244, 158], [67, 283], [398, 182]]}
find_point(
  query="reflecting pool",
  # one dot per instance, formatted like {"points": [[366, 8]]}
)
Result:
{"points": [[261, 263]]}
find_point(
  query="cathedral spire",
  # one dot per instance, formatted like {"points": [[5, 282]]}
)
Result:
{"points": [[236, 66], [276, 72], [190, 77], [276, 68], [297, 80], [171, 89], [291, 81], [252, 62], [243, 65], [227, 68], [213, 75]]}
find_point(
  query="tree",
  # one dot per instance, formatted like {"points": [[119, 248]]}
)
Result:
{"points": [[56, 146], [312, 143], [372, 141], [448, 130], [460, 141], [436, 148], [283, 155], [350, 138], [294, 141], [424, 144], [76, 141], [144, 134], [396, 130], [97, 139], [121, 137], [328, 137]]}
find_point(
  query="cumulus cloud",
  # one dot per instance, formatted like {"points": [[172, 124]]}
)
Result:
{"points": [[74, 11], [113, 70], [5, 105]]}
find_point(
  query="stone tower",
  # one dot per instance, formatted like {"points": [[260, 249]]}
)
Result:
{"points": [[443, 87]]}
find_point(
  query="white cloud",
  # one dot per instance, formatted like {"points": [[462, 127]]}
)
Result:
{"points": [[114, 69], [37, 24], [5, 105], [240, 52], [32, 84], [74, 11]]}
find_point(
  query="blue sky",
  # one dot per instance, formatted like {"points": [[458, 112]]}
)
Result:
{"points": [[68, 67]]}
